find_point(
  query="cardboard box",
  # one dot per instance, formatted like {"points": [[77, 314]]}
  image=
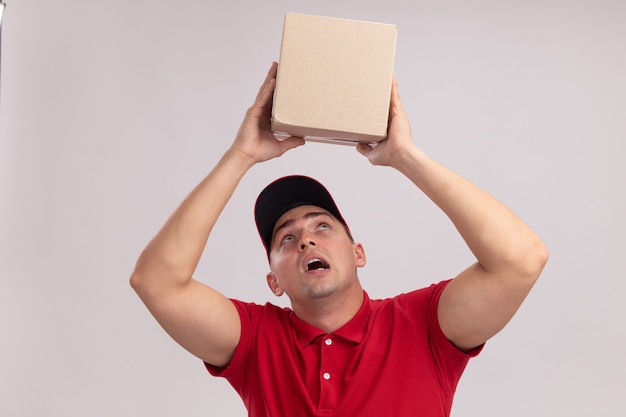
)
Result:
{"points": [[334, 79]]}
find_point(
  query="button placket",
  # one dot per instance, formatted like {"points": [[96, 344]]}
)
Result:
{"points": [[329, 372], [328, 341]]}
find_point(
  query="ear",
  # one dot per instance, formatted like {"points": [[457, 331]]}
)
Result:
{"points": [[359, 255], [273, 284]]}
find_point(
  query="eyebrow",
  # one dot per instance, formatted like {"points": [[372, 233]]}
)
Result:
{"points": [[289, 222]]}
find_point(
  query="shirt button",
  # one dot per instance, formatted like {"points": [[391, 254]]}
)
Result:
{"points": [[328, 342], [326, 376]]}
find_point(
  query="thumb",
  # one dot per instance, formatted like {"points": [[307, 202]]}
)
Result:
{"points": [[290, 143], [364, 149]]}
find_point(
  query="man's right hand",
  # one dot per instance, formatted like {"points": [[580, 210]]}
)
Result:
{"points": [[255, 140]]}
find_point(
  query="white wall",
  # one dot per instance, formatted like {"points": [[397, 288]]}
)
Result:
{"points": [[111, 111]]}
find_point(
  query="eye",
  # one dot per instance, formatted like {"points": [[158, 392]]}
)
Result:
{"points": [[286, 239], [323, 226]]}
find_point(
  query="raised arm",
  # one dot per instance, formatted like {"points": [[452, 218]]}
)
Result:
{"points": [[199, 318], [510, 256]]}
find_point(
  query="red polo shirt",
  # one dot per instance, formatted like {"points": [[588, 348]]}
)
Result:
{"points": [[391, 359]]}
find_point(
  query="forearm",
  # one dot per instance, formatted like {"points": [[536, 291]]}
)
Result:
{"points": [[173, 254], [496, 236]]}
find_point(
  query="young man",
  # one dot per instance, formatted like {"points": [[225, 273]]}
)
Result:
{"points": [[336, 352]]}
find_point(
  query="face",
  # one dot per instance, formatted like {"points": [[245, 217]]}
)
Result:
{"points": [[312, 256]]}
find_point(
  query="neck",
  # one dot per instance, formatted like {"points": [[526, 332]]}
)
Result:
{"points": [[330, 313]]}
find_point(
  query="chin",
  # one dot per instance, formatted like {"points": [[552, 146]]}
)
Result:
{"points": [[317, 292]]}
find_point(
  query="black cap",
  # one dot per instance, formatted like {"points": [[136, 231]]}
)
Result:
{"points": [[286, 193]]}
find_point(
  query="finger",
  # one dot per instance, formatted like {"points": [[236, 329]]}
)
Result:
{"points": [[271, 75], [396, 103], [265, 99], [263, 102]]}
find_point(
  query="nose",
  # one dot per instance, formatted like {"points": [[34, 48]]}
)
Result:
{"points": [[303, 244], [306, 240]]}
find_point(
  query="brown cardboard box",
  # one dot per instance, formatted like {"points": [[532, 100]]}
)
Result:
{"points": [[334, 79]]}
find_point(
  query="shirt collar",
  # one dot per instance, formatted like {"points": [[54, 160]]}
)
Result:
{"points": [[354, 330]]}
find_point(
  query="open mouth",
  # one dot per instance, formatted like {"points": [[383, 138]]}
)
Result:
{"points": [[316, 264]]}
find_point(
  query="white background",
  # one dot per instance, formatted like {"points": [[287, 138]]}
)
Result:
{"points": [[111, 111]]}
